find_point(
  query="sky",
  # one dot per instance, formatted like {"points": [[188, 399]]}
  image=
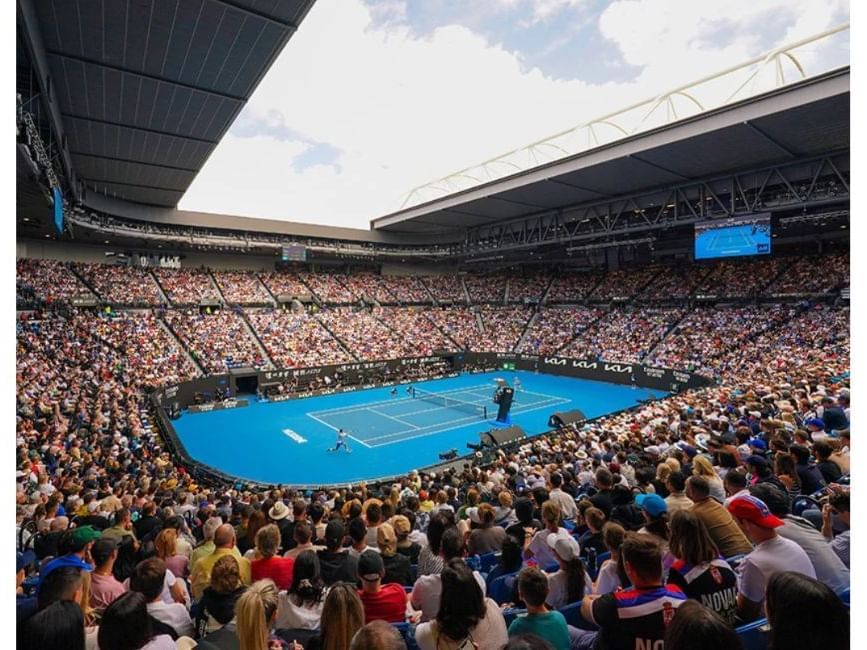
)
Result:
{"points": [[373, 98]]}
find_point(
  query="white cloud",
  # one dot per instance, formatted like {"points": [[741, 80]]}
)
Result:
{"points": [[404, 109]]}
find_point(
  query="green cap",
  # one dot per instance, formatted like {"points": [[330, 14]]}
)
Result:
{"points": [[84, 534]]}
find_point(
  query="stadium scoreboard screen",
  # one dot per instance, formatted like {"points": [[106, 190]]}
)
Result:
{"points": [[293, 253], [733, 237]]}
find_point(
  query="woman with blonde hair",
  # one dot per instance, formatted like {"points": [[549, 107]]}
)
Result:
{"points": [[166, 547], [701, 466], [342, 617], [255, 613]]}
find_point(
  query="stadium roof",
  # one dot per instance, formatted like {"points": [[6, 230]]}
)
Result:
{"points": [[802, 119], [145, 90]]}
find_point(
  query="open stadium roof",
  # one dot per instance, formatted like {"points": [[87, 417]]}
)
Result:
{"points": [[802, 119], [145, 90]]}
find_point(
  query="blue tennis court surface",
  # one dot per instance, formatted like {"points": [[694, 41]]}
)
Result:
{"points": [[287, 442]]}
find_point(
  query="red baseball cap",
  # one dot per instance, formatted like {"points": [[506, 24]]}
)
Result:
{"points": [[754, 510]]}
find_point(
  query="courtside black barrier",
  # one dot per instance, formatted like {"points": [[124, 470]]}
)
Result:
{"points": [[611, 372], [372, 374]]}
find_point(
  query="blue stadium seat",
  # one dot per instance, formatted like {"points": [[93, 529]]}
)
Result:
{"points": [[407, 631], [845, 596], [488, 561], [511, 614], [572, 614], [754, 636], [801, 503], [500, 590], [413, 572]]}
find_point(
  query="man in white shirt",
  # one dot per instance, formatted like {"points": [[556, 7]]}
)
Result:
{"points": [[148, 580], [558, 496], [772, 553]]}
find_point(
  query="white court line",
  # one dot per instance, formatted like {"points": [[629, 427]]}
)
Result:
{"points": [[458, 426], [391, 417], [400, 400], [348, 435]]}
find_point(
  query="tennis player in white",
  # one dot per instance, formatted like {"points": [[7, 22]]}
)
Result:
{"points": [[341, 442]]}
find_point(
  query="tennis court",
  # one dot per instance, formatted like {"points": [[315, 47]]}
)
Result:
{"points": [[432, 412], [287, 442]]}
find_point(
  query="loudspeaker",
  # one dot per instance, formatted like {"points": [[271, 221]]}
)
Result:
{"points": [[562, 418], [496, 437]]}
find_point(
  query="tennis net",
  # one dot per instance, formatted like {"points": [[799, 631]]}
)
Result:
{"points": [[451, 402]]}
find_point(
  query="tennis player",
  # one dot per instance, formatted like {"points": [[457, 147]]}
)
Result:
{"points": [[341, 442], [517, 384]]}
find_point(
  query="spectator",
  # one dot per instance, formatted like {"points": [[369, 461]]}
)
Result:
{"points": [[342, 617], [637, 616], [358, 535], [722, 528], [60, 626], [405, 546], [224, 544], [611, 574], [829, 568], [772, 553], [429, 560], [829, 469], [570, 582], [148, 580], [301, 605], [698, 570], [247, 542], [655, 513], [594, 518], [536, 546], [377, 635], [127, 625], [209, 528], [385, 602], [835, 515], [695, 625], [427, 590], [218, 600], [485, 536], [808, 475], [539, 619], [677, 499], [104, 587], [396, 564], [255, 613], [165, 546], [303, 536], [464, 614], [804, 613], [336, 563], [701, 466], [525, 520], [736, 486], [267, 563]]}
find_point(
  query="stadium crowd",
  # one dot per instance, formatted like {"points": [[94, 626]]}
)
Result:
{"points": [[48, 281], [447, 288], [120, 285], [503, 328], [666, 526], [296, 340], [242, 288], [486, 289], [572, 287], [625, 335], [186, 286], [554, 327], [459, 324], [528, 289], [218, 341]]}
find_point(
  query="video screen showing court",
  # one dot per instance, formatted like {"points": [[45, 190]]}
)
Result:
{"points": [[733, 237]]}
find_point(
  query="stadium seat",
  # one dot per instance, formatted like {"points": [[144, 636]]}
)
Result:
{"points": [[754, 636], [845, 596], [407, 631], [802, 503], [413, 572], [512, 613], [488, 561], [503, 588], [572, 614]]}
